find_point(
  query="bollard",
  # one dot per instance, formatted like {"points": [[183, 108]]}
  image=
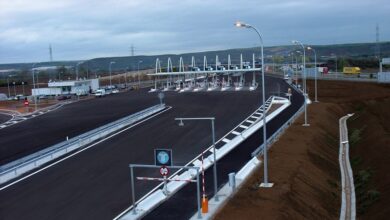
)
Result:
{"points": [[232, 181], [205, 205]]}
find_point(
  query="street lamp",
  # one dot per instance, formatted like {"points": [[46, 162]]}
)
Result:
{"points": [[14, 88], [23, 88], [335, 56], [316, 70], [265, 184], [112, 62], [212, 119], [77, 70], [139, 82], [9, 93], [35, 98], [304, 77]]}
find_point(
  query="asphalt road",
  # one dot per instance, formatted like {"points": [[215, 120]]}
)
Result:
{"points": [[95, 184], [70, 120], [183, 205], [4, 118]]}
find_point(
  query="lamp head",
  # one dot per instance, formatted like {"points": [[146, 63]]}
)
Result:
{"points": [[181, 123], [295, 42], [241, 24], [112, 62], [309, 48]]}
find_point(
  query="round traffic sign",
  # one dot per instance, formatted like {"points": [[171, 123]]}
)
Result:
{"points": [[164, 171], [163, 157], [26, 103]]}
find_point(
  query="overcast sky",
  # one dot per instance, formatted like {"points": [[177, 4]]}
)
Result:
{"points": [[85, 29]]}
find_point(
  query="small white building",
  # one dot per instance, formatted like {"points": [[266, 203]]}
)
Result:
{"points": [[79, 87]]}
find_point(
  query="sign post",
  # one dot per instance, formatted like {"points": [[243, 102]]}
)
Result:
{"points": [[164, 171], [26, 104]]}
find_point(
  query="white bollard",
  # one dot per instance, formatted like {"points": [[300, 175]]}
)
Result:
{"points": [[232, 181]]}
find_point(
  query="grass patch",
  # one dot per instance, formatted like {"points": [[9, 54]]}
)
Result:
{"points": [[356, 161], [365, 197], [355, 135], [359, 107]]}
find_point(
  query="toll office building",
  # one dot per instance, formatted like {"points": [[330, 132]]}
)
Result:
{"points": [[78, 87]]}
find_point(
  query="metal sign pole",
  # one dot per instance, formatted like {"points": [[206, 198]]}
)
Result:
{"points": [[198, 193], [165, 189], [132, 166], [132, 189]]}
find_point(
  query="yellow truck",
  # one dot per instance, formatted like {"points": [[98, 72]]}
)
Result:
{"points": [[351, 70]]}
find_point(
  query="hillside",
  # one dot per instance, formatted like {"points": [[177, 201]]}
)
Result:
{"points": [[355, 51], [304, 165]]}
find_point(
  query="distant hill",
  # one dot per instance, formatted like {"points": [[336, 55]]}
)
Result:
{"points": [[350, 51]]}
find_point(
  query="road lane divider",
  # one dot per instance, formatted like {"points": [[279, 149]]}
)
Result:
{"points": [[21, 166], [208, 162]]}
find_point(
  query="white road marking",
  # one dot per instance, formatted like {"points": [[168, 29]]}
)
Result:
{"points": [[242, 126], [249, 121], [236, 133], [79, 151], [226, 140]]}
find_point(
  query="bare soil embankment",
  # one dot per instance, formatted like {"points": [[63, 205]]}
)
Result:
{"points": [[304, 166]]}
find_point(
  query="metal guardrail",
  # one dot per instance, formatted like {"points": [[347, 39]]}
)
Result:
{"points": [[18, 167], [196, 158], [281, 130]]}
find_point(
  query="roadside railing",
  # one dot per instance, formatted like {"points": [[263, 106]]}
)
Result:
{"points": [[20, 166], [196, 161], [274, 137]]}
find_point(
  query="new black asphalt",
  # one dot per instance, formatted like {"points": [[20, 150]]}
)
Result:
{"points": [[70, 120], [183, 204], [4, 118], [95, 184]]}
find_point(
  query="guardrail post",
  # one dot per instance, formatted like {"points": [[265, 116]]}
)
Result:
{"points": [[132, 190], [232, 181], [198, 193]]}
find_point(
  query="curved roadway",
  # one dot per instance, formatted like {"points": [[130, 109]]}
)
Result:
{"points": [[95, 183], [70, 120]]}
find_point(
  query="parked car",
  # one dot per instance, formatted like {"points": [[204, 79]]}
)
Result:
{"points": [[20, 97], [42, 97], [100, 93], [64, 97], [115, 91]]}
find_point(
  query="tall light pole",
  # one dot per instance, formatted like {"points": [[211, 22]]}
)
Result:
{"points": [[9, 93], [265, 183], [112, 62], [77, 70], [212, 119], [35, 98], [23, 88], [316, 72], [304, 77], [139, 81], [14, 88], [335, 57]]}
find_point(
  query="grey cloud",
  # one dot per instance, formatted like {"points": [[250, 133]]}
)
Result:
{"points": [[87, 28]]}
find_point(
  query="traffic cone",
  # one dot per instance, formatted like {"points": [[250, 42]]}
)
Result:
{"points": [[205, 205]]}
